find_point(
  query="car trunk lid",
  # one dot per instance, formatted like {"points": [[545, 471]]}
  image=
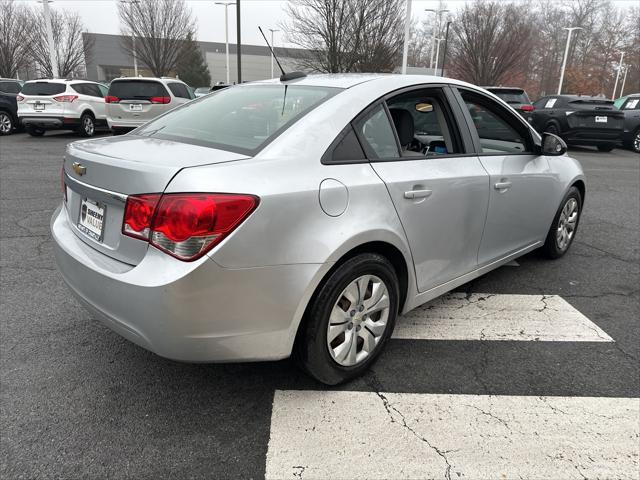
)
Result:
{"points": [[100, 174], [594, 114]]}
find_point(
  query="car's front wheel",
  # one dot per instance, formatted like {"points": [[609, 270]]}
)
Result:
{"points": [[35, 131], [349, 320], [6, 123], [87, 125], [635, 141], [565, 225]]}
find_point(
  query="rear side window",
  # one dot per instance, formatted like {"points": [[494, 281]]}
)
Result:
{"points": [[137, 89], [240, 119], [345, 149], [179, 90], [632, 104], [10, 87], [43, 88], [377, 133]]}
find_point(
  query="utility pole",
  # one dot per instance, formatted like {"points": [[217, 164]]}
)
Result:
{"points": [[272, 30], [52, 52], [407, 27], [615, 85], [239, 40], [226, 32], [566, 53]]}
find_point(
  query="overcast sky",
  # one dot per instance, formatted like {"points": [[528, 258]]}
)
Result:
{"points": [[100, 16]]}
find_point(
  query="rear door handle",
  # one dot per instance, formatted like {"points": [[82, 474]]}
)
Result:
{"points": [[502, 186], [417, 194]]}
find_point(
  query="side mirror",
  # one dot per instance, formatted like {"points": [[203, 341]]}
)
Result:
{"points": [[553, 145]]}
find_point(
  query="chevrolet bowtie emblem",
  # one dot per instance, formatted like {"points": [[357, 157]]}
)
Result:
{"points": [[79, 169]]}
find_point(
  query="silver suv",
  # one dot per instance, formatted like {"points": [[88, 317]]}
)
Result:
{"points": [[62, 105], [133, 101]]}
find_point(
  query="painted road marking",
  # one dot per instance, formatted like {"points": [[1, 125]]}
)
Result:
{"points": [[458, 316], [370, 435]]}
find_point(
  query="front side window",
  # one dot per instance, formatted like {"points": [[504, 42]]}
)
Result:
{"points": [[179, 90], [498, 130], [377, 134], [242, 118]]}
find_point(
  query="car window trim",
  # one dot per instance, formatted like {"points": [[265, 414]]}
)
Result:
{"points": [[474, 133]]}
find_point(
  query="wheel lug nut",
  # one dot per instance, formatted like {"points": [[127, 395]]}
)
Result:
{"points": [[361, 308], [352, 313], [358, 328], [350, 326]]}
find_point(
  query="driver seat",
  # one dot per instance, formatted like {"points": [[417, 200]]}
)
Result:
{"points": [[403, 121]]}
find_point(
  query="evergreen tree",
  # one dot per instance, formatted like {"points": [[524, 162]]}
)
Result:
{"points": [[191, 67]]}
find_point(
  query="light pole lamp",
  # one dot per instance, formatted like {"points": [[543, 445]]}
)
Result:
{"points": [[435, 31], [566, 53], [226, 33], [52, 52], [272, 30]]}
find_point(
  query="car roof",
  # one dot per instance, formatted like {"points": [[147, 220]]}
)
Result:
{"points": [[153, 79], [504, 88]]}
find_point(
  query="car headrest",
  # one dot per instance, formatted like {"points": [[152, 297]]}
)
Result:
{"points": [[403, 121]]}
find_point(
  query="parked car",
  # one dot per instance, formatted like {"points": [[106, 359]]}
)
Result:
{"points": [[62, 105], [302, 217], [630, 107], [517, 98], [218, 86], [579, 120], [133, 101], [202, 91], [9, 89]]}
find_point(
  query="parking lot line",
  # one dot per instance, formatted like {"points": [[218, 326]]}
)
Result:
{"points": [[458, 316], [373, 435]]}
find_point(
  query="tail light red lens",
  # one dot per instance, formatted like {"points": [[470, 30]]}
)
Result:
{"points": [[160, 100], [111, 99], [527, 108], [186, 225], [65, 98], [19, 98]]}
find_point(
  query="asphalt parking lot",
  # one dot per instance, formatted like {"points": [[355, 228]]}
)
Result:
{"points": [[78, 401]]}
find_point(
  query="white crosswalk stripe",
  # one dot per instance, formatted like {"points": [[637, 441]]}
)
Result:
{"points": [[373, 435], [458, 316]]}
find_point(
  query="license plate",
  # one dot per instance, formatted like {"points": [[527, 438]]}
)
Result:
{"points": [[38, 106], [91, 219], [601, 119], [135, 107]]}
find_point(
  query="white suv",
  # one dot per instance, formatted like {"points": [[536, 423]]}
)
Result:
{"points": [[62, 105], [133, 101]]}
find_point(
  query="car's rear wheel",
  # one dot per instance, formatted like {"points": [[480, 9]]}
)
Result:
{"points": [[565, 225], [552, 128], [635, 141], [6, 123], [349, 319], [35, 131], [87, 125], [606, 147]]}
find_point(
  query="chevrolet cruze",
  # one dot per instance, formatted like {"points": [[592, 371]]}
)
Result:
{"points": [[301, 217]]}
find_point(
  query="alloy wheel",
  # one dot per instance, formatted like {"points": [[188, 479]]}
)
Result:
{"points": [[87, 124], [358, 320], [636, 142], [5, 123], [567, 224]]}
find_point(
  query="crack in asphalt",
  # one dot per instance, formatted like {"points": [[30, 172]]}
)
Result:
{"points": [[301, 469], [489, 414]]}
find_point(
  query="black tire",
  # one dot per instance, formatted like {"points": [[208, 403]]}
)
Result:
{"points": [[634, 143], [551, 249], [311, 351], [606, 147], [35, 131], [552, 128], [6, 123], [87, 126], [118, 131]]}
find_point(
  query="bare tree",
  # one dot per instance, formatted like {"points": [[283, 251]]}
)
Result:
{"points": [[72, 50], [155, 30], [346, 35], [493, 40], [15, 20]]}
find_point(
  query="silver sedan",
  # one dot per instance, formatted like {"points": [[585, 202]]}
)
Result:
{"points": [[300, 218]]}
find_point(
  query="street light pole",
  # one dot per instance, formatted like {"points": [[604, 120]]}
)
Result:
{"points": [[405, 49], [135, 58], [435, 31], [615, 85], [238, 41], [272, 30], [52, 53], [566, 53], [226, 32], [438, 40], [624, 80]]}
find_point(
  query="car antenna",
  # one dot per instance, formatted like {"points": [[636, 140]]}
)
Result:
{"points": [[285, 76]]}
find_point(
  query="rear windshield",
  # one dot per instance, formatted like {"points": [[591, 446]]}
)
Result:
{"points": [[591, 103], [9, 87], [240, 119], [137, 89], [512, 96], [632, 104], [43, 88]]}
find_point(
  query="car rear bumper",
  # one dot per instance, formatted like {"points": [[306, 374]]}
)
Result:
{"points": [[187, 311], [124, 123], [50, 123], [592, 137]]}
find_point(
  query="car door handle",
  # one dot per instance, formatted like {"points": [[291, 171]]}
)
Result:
{"points": [[417, 194], [502, 186]]}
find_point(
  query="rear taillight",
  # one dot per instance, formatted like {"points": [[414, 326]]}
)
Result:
{"points": [[65, 98], [527, 108], [111, 99], [160, 99], [19, 98], [185, 225]]}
